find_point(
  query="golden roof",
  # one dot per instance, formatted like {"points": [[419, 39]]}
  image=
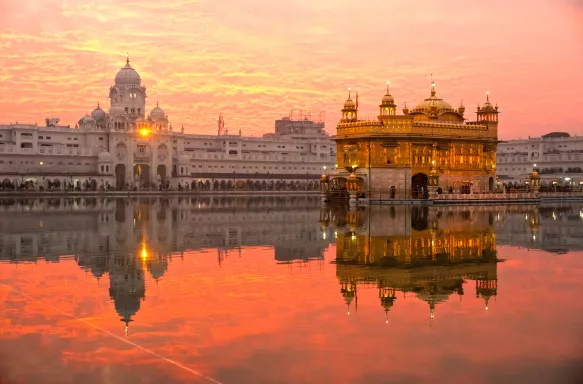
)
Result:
{"points": [[388, 98], [349, 103], [433, 103]]}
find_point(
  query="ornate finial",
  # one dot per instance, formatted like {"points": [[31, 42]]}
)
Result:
{"points": [[487, 97], [462, 104], [348, 93], [432, 86], [388, 84], [156, 103], [127, 57]]}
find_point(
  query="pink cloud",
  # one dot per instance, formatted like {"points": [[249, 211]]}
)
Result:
{"points": [[255, 60]]}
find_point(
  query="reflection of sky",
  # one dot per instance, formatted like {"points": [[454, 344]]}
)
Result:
{"points": [[254, 60], [251, 320]]}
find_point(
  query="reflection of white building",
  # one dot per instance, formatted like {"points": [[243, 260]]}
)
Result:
{"points": [[126, 145], [73, 227], [129, 239], [557, 155], [554, 228]]}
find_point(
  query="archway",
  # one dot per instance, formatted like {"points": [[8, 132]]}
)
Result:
{"points": [[120, 176], [419, 186], [222, 185], [142, 174], [161, 172], [491, 184]]}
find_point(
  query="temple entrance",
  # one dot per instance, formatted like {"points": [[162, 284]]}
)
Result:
{"points": [[120, 176], [491, 184], [142, 174], [161, 172], [419, 186]]}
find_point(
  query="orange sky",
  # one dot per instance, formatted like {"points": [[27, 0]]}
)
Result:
{"points": [[253, 321], [254, 60]]}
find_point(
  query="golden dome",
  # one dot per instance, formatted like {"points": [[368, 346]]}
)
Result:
{"points": [[349, 103], [488, 107], [433, 104], [388, 98]]}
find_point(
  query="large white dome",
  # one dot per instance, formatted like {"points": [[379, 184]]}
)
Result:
{"points": [[127, 76]]}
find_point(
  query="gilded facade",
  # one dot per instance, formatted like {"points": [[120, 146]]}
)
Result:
{"points": [[402, 151]]}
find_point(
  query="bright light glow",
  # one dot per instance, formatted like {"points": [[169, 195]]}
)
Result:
{"points": [[567, 178], [535, 165], [144, 253], [324, 167], [324, 235], [41, 163], [144, 132]]}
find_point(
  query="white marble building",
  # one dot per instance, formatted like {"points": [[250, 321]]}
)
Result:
{"points": [[125, 147], [557, 156]]}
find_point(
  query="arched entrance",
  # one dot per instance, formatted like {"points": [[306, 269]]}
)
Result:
{"points": [[491, 184], [161, 172], [142, 174], [120, 176], [419, 186]]}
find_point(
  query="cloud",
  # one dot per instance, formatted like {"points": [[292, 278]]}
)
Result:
{"points": [[256, 60]]}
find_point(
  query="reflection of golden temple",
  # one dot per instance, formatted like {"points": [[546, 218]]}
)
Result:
{"points": [[427, 251]]}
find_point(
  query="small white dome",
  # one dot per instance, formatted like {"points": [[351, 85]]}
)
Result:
{"points": [[157, 113], [86, 120], [105, 157], [98, 113], [127, 76]]}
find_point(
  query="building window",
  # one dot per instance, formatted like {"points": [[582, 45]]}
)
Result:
{"points": [[141, 148]]}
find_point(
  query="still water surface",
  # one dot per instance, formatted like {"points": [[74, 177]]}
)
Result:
{"points": [[283, 290]]}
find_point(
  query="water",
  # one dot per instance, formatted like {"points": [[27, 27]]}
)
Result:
{"points": [[282, 290]]}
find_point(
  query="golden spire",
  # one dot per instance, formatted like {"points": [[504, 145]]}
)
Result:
{"points": [[348, 93], [127, 58], [388, 84], [432, 86]]}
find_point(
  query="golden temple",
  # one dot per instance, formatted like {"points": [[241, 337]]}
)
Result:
{"points": [[429, 146]]}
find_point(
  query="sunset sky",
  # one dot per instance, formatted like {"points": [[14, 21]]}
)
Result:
{"points": [[254, 60]]}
